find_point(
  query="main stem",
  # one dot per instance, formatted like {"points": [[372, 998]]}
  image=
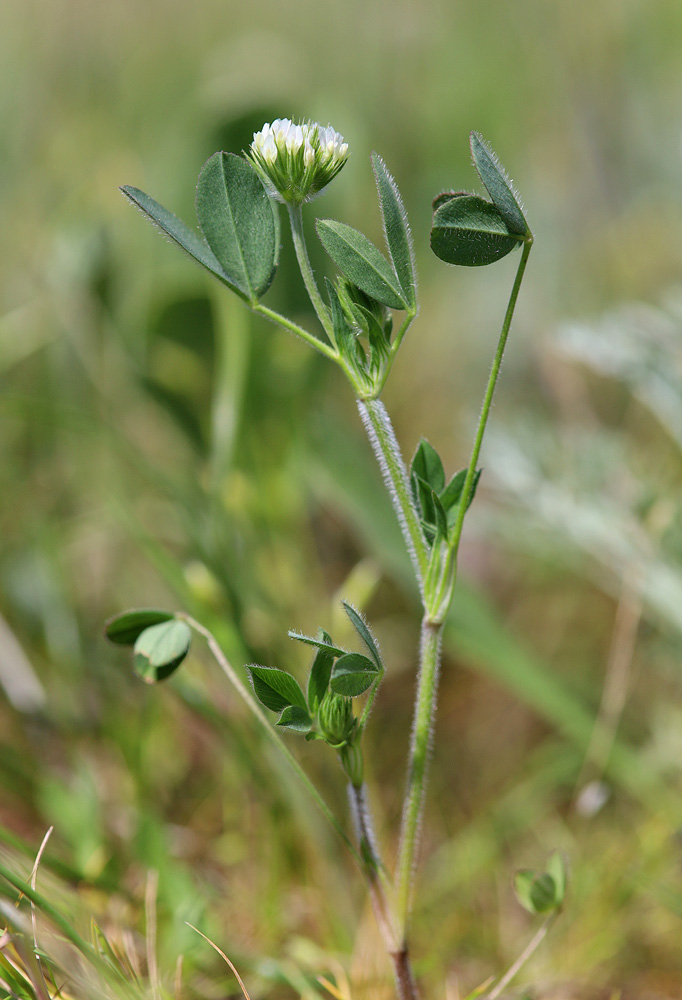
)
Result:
{"points": [[383, 440], [376, 883], [422, 734]]}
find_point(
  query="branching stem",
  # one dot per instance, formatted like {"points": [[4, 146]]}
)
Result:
{"points": [[297, 330]]}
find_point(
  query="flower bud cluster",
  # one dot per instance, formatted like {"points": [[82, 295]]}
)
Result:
{"points": [[296, 162]]}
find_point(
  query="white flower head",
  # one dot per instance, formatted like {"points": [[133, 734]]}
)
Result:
{"points": [[296, 161]]}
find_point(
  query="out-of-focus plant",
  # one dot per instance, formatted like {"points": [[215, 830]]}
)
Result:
{"points": [[237, 209]]}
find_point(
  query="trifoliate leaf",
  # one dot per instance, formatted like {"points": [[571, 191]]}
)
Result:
{"points": [[536, 892], [124, 628], [352, 674], [160, 650]]}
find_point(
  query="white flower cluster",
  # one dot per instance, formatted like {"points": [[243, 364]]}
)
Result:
{"points": [[297, 161]]}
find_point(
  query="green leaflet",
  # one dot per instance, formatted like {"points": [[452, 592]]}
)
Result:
{"points": [[468, 230], [160, 649], [397, 231], [239, 222], [361, 262], [498, 185]]}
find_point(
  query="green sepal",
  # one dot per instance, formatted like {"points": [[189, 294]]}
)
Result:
{"points": [[160, 649], [427, 464], [471, 232], [179, 232], [352, 674], [240, 223], [361, 262], [124, 628], [536, 892], [324, 643], [364, 631], [498, 185], [321, 670], [276, 689], [397, 231], [295, 718]]}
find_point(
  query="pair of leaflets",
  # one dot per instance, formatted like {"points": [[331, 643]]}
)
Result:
{"points": [[471, 231]]}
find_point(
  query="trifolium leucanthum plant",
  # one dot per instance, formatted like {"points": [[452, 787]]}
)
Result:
{"points": [[363, 315]]}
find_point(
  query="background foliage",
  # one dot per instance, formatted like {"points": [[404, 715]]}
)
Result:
{"points": [[161, 447]]}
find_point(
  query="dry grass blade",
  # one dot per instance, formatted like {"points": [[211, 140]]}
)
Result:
{"points": [[223, 956]]}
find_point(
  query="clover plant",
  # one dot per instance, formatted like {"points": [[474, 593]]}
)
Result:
{"points": [[363, 315]]}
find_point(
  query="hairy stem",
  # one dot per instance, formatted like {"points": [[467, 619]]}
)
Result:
{"points": [[383, 440], [371, 863], [375, 877], [272, 735], [422, 733]]}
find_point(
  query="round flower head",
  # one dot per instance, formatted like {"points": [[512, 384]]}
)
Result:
{"points": [[295, 162]]}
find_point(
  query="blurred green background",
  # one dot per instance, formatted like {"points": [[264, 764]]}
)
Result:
{"points": [[162, 447]]}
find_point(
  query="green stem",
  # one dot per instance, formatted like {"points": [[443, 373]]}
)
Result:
{"points": [[368, 705], [424, 717], [488, 398], [375, 876], [272, 735], [294, 328], [397, 341], [372, 865], [427, 690], [296, 219], [383, 440], [530, 948]]}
